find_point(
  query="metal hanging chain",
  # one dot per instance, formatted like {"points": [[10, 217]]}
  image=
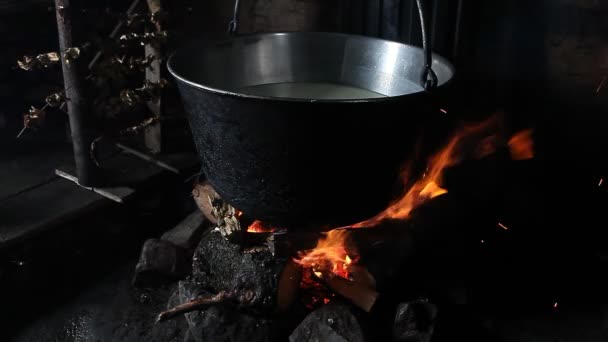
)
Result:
{"points": [[429, 78], [233, 25]]}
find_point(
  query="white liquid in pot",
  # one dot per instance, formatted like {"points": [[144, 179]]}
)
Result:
{"points": [[310, 90]]}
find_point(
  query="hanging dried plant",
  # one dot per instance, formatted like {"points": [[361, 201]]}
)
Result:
{"points": [[144, 38], [33, 117], [41, 61], [158, 17], [134, 63], [55, 100], [71, 54], [149, 92], [137, 129]]}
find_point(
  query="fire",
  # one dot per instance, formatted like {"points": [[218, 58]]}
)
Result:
{"points": [[428, 186], [331, 256], [334, 255], [521, 145], [259, 227]]}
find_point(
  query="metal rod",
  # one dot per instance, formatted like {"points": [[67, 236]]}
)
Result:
{"points": [[77, 106], [429, 78], [434, 22], [457, 29]]}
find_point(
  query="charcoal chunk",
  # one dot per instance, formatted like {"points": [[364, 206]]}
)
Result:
{"points": [[414, 321], [333, 322], [160, 262]]}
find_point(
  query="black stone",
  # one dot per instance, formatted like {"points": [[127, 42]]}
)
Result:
{"points": [[333, 322], [188, 232], [160, 262], [414, 321], [222, 322], [220, 265]]}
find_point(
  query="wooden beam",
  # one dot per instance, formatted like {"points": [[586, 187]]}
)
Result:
{"points": [[80, 128], [153, 133]]}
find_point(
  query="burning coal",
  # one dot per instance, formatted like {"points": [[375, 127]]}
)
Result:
{"points": [[260, 227]]}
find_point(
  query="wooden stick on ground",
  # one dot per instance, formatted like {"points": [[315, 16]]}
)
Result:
{"points": [[195, 304]]}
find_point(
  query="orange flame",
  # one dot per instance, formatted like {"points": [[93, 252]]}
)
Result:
{"points": [[521, 145], [428, 187], [330, 256], [259, 227]]}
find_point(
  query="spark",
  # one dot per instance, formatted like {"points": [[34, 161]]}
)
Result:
{"points": [[555, 305], [481, 241], [443, 111], [600, 182], [601, 85], [503, 226]]}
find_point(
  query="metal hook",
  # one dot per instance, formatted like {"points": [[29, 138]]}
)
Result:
{"points": [[233, 25], [429, 78]]}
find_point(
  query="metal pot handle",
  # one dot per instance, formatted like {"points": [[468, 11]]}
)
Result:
{"points": [[233, 25], [428, 79]]}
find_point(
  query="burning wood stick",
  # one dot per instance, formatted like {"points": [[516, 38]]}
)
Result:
{"points": [[195, 304]]}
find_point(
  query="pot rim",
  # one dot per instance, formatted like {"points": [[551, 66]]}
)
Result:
{"points": [[436, 57]]}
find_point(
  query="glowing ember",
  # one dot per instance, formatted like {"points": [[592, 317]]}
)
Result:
{"points": [[555, 305], [600, 182], [482, 241], [330, 256], [503, 226], [443, 111], [259, 227], [521, 145]]}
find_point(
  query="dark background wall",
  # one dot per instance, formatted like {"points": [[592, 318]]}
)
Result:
{"points": [[542, 60]]}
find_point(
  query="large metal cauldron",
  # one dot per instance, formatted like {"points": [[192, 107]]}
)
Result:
{"points": [[296, 159]]}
